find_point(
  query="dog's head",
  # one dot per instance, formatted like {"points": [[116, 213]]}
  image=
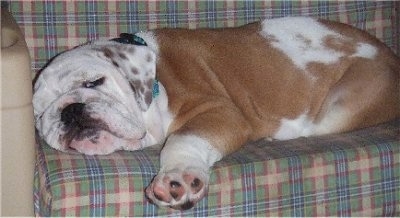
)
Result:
{"points": [[92, 98]]}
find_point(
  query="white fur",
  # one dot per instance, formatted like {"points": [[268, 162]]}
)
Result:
{"points": [[303, 126], [150, 39], [365, 50], [158, 118], [301, 39], [333, 121], [188, 151], [290, 129]]}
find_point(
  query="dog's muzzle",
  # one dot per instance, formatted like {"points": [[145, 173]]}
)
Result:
{"points": [[78, 124], [90, 135]]}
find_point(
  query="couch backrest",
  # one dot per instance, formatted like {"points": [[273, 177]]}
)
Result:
{"points": [[54, 26]]}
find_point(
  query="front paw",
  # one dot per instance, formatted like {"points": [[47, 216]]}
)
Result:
{"points": [[178, 189]]}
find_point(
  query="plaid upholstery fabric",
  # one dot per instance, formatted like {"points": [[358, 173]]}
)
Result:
{"points": [[353, 174], [51, 27]]}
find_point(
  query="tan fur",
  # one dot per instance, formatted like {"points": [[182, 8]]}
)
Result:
{"points": [[231, 85]]}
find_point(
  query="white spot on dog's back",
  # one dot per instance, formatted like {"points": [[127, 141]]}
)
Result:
{"points": [[365, 50], [301, 39]]}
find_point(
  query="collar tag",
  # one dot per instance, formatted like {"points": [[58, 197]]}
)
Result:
{"points": [[156, 88]]}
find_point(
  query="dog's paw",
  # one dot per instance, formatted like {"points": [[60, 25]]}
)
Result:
{"points": [[177, 189]]}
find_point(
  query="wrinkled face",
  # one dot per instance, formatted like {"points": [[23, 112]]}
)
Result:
{"points": [[92, 98]]}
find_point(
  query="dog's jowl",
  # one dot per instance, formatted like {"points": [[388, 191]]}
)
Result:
{"points": [[204, 93]]}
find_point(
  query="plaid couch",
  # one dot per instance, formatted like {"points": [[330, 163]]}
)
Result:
{"points": [[352, 174]]}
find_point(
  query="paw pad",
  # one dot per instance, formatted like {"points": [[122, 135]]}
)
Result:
{"points": [[179, 191]]}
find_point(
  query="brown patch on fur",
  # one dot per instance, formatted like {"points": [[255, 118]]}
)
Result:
{"points": [[136, 84], [114, 63], [131, 49], [149, 83], [304, 39], [108, 52], [342, 45], [148, 97], [122, 56], [149, 58], [134, 70]]}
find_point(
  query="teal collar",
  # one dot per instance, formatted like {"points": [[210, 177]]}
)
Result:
{"points": [[156, 88], [128, 38]]}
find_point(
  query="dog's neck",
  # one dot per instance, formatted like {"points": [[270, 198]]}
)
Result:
{"points": [[157, 118]]}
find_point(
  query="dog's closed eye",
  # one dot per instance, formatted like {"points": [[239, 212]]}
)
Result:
{"points": [[92, 84]]}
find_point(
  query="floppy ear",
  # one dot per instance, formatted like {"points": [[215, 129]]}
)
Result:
{"points": [[138, 64]]}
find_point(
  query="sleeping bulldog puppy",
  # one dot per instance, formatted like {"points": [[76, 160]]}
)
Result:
{"points": [[205, 93]]}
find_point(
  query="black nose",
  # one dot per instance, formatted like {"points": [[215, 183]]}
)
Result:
{"points": [[72, 114]]}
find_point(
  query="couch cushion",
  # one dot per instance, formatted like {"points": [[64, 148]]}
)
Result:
{"points": [[351, 174]]}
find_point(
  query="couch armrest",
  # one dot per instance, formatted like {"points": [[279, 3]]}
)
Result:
{"points": [[17, 127]]}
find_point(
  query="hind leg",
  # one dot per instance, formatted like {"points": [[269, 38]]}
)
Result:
{"points": [[366, 95]]}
